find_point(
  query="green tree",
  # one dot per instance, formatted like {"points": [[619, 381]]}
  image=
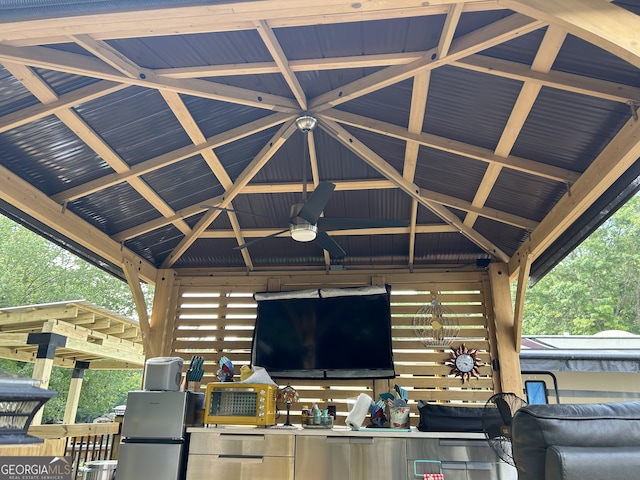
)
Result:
{"points": [[33, 270], [596, 287]]}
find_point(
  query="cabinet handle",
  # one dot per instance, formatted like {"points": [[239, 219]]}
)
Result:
{"points": [[344, 440], [368, 440], [240, 459], [463, 443], [478, 466], [234, 436]]}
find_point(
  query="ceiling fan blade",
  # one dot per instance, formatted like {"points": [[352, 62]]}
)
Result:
{"points": [[245, 245], [331, 224], [316, 202], [213, 207], [326, 242]]}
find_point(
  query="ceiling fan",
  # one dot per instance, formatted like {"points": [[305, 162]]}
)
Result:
{"points": [[305, 222]]}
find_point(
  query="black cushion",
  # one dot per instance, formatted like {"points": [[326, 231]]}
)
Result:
{"points": [[445, 418], [539, 427], [602, 463]]}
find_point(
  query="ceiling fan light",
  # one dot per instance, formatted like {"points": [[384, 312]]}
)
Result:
{"points": [[306, 123], [304, 232]]}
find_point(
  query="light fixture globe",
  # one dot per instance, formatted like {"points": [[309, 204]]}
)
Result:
{"points": [[306, 122], [303, 232], [300, 229]]}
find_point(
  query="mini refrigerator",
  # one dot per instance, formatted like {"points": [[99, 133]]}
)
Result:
{"points": [[154, 438]]}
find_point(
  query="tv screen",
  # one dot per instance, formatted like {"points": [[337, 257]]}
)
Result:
{"points": [[327, 333]]}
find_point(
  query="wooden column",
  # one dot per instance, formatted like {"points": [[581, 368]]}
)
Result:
{"points": [[75, 387], [47, 344], [508, 359], [163, 313]]}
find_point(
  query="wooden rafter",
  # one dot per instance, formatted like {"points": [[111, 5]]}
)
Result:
{"points": [[543, 61], [614, 159], [599, 22], [375, 161], [22, 50], [494, 34], [245, 177], [452, 146], [220, 18]]}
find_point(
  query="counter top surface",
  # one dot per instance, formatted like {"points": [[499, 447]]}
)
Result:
{"points": [[335, 431]]}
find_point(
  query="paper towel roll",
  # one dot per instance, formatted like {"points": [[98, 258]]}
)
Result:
{"points": [[358, 413]]}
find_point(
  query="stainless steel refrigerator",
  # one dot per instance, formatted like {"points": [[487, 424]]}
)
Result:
{"points": [[155, 441]]}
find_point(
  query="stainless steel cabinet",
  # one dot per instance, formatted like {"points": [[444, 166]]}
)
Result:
{"points": [[322, 458], [240, 457], [350, 458], [461, 459], [378, 458], [337, 455]]}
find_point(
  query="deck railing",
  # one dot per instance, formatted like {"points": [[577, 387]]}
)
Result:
{"points": [[84, 442]]}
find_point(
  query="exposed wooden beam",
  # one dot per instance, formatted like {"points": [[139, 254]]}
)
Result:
{"points": [[63, 102], [458, 148], [521, 290], [245, 177], [77, 125], [83, 65], [197, 137], [273, 188], [416, 117], [131, 273], [224, 17], [272, 44], [489, 36], [569, 82], [599, 22], [175, 156], [379, 164], [502, 318], [546, 55], [609, 165], [263, 232], [248, 189], [34, 203], [108, 54]]}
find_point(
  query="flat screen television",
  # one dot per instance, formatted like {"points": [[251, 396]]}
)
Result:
{"points": [[325, 333]]}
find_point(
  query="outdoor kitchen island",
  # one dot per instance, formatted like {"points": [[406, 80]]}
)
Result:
{"points": [[339, 453]]}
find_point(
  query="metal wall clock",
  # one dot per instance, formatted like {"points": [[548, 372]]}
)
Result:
{"points": [[464, 363]]}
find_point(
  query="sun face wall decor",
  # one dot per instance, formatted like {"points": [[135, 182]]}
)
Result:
{"points": [[464, 363]]}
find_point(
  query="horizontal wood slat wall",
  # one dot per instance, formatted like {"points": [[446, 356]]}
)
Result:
{"points": [[215, 318]]}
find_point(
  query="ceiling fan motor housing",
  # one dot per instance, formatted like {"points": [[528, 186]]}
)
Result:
{"points": [[301, 230]]}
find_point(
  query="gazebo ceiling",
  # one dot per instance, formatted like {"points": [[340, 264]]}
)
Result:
{"points": [[491, 129]]}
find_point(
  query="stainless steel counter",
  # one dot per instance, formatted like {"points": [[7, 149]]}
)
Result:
{"points": [[340, 453], [335, 431]]}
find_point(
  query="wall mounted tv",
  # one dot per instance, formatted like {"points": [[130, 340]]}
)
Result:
{"points": [[326, 333]]}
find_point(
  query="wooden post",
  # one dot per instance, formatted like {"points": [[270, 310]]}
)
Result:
{"points": [[162, 320], [47, 344], [74, 392], [508, 359]]}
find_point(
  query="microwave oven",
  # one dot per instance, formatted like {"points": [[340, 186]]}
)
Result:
{"points": [[229, 403]]}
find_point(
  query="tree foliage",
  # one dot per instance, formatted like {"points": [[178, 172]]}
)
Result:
{"points": [[32, 271], [596, 287]]}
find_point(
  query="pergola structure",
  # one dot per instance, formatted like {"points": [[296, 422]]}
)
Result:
{"points": [[75, 334], [158, 138]]}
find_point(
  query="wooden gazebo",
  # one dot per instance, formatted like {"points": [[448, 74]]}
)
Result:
{"points": [[161, 140], [75, 334]]}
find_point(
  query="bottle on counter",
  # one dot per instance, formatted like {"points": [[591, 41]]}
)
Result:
{"points": [[317, 416], [304, 415]]}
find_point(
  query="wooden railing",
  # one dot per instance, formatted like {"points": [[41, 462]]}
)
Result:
{"points": [[84, 442]]}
